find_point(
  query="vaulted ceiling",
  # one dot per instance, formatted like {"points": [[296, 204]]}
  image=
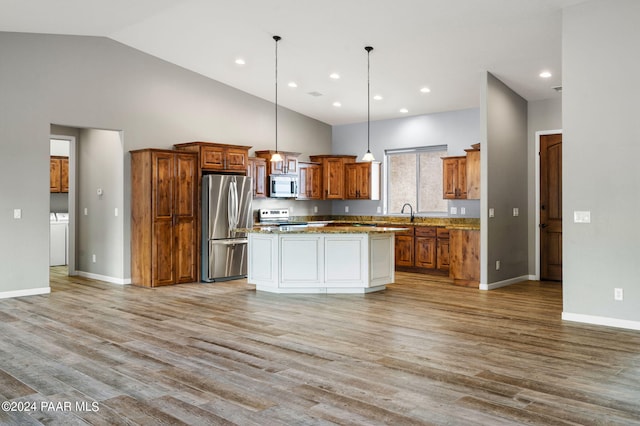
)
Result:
{"points": [[442, 45]]}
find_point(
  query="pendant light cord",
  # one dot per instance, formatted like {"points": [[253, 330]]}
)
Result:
{"points": [[277, 39]]}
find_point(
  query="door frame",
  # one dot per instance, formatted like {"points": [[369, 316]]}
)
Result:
{"points": [[537, 201], [71, 261]]}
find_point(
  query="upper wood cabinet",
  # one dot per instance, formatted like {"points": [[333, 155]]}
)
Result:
{"points": [[258, 171], [461, 175], [333, 178], [58, 174], [310, 181], [218, 157], [362, 180], [473, 173], [288, 165], [454, 177], [164, 208]]}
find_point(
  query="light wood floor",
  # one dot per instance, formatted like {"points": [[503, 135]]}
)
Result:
{"points": [[421, 352]]}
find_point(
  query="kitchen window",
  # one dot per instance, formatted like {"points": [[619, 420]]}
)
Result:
{"points": [[414, 176]]}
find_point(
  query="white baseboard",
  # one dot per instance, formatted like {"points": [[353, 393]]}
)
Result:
{"points": [[27, 292], [112, 280], [504, 283], [611, 322]]}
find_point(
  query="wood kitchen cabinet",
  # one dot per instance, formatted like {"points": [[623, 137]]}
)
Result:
{"points": [[422, 249], [58, 174], [454, 177], [362, 180], [425, 247], [465, 257], [164, 211], [333, 177], [404, 248], [216, 157], [310, 181], [473, 172], [442, 249], [288, 165], [257, 170]]}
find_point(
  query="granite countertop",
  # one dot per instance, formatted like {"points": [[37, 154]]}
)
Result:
{"points": [[270, 229], [446, 222]]}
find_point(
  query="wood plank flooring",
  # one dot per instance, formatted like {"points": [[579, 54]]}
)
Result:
{"points": [[421, 352]]}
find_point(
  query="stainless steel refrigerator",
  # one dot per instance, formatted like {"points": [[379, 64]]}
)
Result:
{"points": [[226, 206]]}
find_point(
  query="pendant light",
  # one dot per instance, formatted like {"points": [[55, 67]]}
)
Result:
{"points": [[276, 155], [368, 156]]}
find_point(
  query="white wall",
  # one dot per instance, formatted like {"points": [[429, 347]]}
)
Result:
{"points": [[601, 147], [96, 83]]}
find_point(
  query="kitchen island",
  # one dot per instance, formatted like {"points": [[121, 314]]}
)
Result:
{"points": [[328, 259]]}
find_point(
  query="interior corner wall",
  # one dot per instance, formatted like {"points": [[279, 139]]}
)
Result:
{"points": [[601, 147], [504, 185], [97, 83]]}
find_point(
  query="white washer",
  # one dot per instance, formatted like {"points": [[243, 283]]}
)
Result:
{"points": [[58, 242]]}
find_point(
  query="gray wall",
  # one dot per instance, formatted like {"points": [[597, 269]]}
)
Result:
{"points": [[456, 129], [504, 184], [601, 147], [96, 83]]}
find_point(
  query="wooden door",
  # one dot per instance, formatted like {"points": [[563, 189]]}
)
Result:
{"points": [[551, 207]]}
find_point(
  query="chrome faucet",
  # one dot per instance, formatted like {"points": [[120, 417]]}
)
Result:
{"points": [[410, 210]]}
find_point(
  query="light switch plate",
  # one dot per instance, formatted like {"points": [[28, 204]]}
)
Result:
{"points": [[582, 217], [516, 211], [491, 213], [17, 213], [454, 210]]}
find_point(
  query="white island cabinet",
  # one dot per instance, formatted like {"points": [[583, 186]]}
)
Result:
{"points": [[321, 260]]}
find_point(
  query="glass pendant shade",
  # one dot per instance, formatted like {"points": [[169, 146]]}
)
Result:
{"points": [[276, 156], [368, 156]]}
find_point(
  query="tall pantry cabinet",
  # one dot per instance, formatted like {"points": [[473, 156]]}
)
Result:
{"points": [[164, 206]]}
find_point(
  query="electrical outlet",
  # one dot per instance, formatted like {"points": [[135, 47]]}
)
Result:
{"points": [[115, 212], [497, 265], [86, 211], [618, 294], [379, 209], [463, 210], [516, 211], [346, 209], [93, 258], [454, 210], [315, 209]]}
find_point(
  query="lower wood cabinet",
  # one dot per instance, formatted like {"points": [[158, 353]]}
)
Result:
{"points": [[164, 209], [465, 257], [422, 249]]}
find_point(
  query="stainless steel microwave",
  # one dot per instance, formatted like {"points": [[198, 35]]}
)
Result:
{"points": [[283, 186]]}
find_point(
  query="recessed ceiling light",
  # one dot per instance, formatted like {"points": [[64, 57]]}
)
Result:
{"points": [[404, 110], [337, 104], [545, 74], [293, 84], [425, 90], [240, 61], [377, 97], [334, 76]]}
